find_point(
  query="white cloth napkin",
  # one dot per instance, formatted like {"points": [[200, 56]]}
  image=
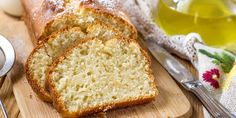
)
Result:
{"points": [[213, 66], [214, 77]]}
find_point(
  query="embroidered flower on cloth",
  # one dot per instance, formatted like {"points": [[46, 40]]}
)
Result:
{"points": [[212, 77], [225, 59]]}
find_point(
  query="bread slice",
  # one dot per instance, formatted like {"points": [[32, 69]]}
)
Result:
{"points": [[99, 75], [44, 54], [47, 16]]}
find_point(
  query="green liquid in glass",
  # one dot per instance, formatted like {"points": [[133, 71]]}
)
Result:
{"points": [[214, 20]]}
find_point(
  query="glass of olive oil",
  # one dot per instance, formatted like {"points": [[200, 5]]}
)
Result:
{"points": [[214, 20]]}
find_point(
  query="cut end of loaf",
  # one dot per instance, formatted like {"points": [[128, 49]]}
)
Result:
{"points": [[97, 76]]}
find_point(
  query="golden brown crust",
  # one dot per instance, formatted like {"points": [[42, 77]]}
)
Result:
{"points": [[148, 57], [34, 82], [27, 22], [42, 13], [150, 71], [59, 105]]}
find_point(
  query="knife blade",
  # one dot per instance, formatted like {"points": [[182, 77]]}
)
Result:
{"points": [[172, 65]]}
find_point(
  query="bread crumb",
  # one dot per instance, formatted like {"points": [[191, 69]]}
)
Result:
{"points": [[30, 96], [101, 115]]}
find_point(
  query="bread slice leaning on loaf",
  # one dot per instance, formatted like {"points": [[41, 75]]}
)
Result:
{"points": [[98, 75], [45, 53], [47, 16]]}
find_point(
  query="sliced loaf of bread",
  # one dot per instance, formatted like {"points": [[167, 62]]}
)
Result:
{"points": [[44, 54], [98, 75]]}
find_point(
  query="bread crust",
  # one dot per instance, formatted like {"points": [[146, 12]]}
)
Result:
{"points": [[59, 105], [41, 14], [35, 85]]}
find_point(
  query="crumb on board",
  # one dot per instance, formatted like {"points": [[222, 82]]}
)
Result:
{"points": [[31, 96]]}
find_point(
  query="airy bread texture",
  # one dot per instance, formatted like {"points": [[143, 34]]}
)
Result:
{"points": [[44, 54], [53, 15], [98, 75]]}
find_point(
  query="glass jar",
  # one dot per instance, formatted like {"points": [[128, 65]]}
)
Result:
{"points": [[214, 20]]}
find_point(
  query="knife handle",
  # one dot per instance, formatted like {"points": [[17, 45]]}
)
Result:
{"points": [[216, 109]]}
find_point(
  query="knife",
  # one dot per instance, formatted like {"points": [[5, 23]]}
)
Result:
{"points": [[185, 78]]}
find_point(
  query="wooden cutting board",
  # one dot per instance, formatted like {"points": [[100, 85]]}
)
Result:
{"points": [[171, 102]]}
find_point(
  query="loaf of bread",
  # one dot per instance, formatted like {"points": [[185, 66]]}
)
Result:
{"points": [[44, 54], [98, 75], [87, 58], [43, 17]]}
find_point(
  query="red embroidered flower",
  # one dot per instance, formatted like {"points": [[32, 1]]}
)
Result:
{"points": [[212, 77]]}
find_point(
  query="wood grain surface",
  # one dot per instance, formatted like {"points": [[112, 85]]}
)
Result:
{"points": [[171, 102]]}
